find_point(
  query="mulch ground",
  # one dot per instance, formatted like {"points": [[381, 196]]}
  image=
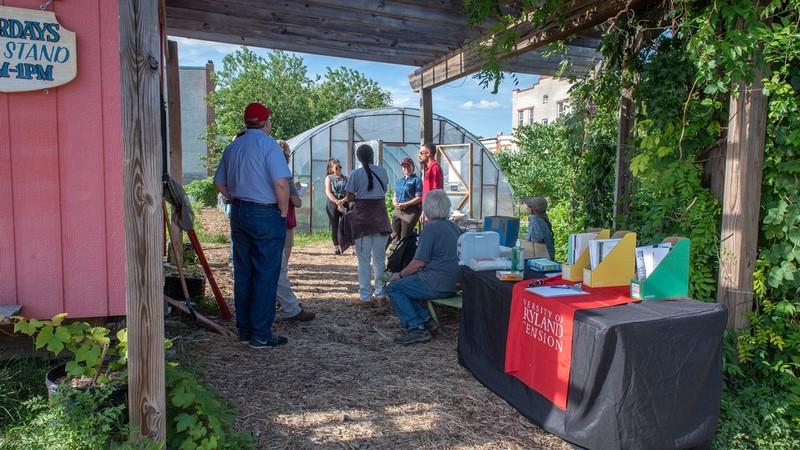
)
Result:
{"points": [[341, 382]]}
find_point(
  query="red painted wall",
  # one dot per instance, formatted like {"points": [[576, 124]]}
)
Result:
{"points": [[62, 243]]}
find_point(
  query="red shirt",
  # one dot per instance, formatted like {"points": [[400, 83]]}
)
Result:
{"points": [[432, 178]]}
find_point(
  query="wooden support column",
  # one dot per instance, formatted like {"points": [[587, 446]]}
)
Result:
{"points": [[210, 117], [174, 109], [140, 50], [174, 121], [425, 116], [744, 161], [622, 171]]}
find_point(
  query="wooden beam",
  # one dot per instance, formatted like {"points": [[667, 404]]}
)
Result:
{"points": [[210, 114], [215, 33], [744, 162], [579, 15], [622, 169], [174, 109], [174, 121], [330, 18], [426, 117], [140, 52]]}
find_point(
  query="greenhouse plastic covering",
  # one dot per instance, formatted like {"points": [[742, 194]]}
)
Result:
{"points": [[473, 179]]}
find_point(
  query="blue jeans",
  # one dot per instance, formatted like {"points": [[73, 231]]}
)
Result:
{"points": [[258, 234], [371, 253], [407, 295]]}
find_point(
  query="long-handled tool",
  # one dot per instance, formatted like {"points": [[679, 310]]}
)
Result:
{"points": [[223, 307], [186, 306]]}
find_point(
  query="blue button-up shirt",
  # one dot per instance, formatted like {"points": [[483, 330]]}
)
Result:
{"points": [[407, 188], [250, 165]]}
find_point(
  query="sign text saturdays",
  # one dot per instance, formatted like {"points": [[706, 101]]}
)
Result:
{"points": [[36, 52]]}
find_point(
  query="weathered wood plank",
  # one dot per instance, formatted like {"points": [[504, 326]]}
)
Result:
{"points": [[299, 34], [426, 116], [579, 15], [140, 52], [744, 161], [174, 109], [622, 168], [174, 121], [257, 39], [210, 114], [333, 19]]}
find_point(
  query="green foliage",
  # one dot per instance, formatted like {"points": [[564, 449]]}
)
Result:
{"points": [[756, 416], [202, 192], [196, 419], [281, 81], [20, 380], [544, 164], [88, 346], [74, 421]]}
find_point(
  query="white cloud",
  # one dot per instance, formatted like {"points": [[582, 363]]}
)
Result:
{"points": [[483, 104], [403, 96]]}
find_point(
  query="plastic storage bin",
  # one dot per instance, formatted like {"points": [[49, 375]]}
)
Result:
{"points": [[478, 244]]}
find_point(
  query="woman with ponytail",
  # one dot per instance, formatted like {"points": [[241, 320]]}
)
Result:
{"points": [[367, 225]]}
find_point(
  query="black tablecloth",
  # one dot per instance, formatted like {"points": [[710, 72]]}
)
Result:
{"points": [[644, 375]]}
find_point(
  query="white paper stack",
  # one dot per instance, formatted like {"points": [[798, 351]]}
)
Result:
{"points": [[599, 249], [577, 245], [649, 257]]}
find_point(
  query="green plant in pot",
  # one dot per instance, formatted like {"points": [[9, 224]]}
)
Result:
{"points": [[94, 359]]}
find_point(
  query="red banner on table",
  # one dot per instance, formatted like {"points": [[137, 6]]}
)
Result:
{"points": [[539, 344]]}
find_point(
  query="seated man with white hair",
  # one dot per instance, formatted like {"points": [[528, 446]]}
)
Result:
{"points": [[433, 273]]}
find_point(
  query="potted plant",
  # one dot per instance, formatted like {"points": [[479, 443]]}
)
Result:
{"points": [[94, 360]]}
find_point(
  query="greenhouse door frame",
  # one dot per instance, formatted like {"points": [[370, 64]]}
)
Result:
{"points": [[442, 154]]}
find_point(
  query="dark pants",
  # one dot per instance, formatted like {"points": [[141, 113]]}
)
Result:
{"points": [[404, 222], [258, 234], [334, 217]]}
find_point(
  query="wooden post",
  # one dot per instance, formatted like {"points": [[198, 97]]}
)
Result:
{"points": [[210, 117], [140, 52], [622, 171], [174, 109], [425, 117], [175, 143], [744, 161]]}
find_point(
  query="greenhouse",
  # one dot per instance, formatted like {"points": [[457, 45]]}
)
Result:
{"points": [[473, 179]]}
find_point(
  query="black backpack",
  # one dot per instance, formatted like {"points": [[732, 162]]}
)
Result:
{"points": [[401, 253]]}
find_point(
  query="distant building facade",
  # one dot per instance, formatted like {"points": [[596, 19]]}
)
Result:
{"points": [[500, 143], [544, 102]]}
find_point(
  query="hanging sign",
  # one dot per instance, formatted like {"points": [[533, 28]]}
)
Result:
{"points": [[36, 52]]}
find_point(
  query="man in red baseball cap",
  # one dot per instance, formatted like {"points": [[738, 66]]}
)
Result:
{"points": [[256, 113], [254, 177]]}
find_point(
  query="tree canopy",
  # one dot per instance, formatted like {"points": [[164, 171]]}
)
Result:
{"points": [[282, 82]]}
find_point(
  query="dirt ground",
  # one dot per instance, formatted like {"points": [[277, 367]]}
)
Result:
{"points": [[341, 382]]}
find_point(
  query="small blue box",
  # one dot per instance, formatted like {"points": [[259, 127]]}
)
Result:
{"points": [[506, 227]]}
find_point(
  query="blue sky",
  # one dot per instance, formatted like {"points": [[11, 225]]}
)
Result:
{"points": [[462, 101]]}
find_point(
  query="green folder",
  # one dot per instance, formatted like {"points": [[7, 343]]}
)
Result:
{"points": [[670, 279]]}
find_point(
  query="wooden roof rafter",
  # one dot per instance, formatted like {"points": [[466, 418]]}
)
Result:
{"points": [[408, 32], [580, 16]]}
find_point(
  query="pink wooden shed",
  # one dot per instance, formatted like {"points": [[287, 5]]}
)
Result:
{"points": [[62, 242]]}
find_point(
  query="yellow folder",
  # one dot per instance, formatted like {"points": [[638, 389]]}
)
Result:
{"points": [[616, 269], [574, 272]]}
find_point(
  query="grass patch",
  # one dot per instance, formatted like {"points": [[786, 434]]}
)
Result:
{"points": [[20, 381], [315, 237]]}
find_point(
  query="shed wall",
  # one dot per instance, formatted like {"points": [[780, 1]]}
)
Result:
{"points": [[62, 244]]}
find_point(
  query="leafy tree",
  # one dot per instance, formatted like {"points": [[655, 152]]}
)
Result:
{"points": [[343, 89], [281, 81]]}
